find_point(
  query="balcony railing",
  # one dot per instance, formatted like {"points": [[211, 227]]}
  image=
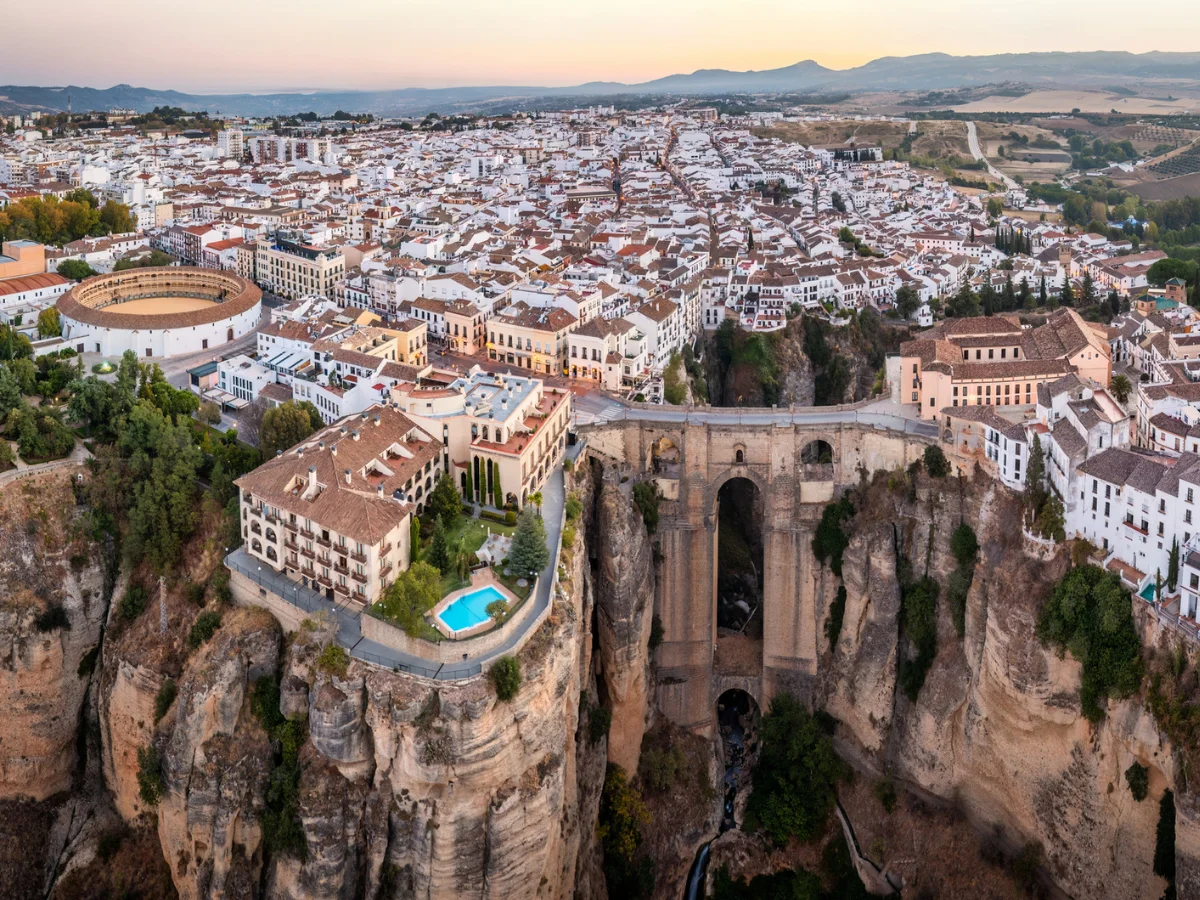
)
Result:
{"points": [[385, 569], [321, 579], [324, 542], [359, 577], [341, 570], [343, 589], [305, 533], [358, 557]]}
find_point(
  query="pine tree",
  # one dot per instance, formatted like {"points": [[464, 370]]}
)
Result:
{"points": [[1010, 298], [439, 551], [528, 554], [1067, 296], [1026, 298], [1035, 478], [1088, 295]]}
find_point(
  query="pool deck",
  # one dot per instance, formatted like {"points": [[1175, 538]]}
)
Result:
{"points": [[480, 578]]}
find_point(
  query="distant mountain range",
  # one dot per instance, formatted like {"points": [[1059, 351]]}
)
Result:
{"points": [[931, 71]]}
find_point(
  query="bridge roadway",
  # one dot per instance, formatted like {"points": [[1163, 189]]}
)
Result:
{"points": [[598, 409]]}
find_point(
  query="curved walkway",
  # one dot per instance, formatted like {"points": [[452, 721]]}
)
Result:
{"points": [[349, 634], [77, 457]]}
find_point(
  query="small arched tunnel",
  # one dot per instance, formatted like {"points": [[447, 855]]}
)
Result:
{"points": [[740, 513], [817, 452]]}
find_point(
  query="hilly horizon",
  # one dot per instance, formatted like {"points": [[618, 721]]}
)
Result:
{"points": [[930, 71]]}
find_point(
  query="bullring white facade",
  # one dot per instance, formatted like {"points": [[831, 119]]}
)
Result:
{"points": [[91, 326]]}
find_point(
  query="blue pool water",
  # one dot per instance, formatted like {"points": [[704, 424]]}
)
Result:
{"points": [[1147, 593], [469, 609]]}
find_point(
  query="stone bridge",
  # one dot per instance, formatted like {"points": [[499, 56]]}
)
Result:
{"points": [[797, 467]]}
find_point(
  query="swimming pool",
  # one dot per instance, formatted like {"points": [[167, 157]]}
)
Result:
{"points": [[469, 609], [1147, 593]]}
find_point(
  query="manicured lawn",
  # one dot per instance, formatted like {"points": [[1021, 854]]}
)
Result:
{"points": [[469, 534], [511, 583]]}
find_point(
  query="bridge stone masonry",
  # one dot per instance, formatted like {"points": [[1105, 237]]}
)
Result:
{"points": [[690, 461]]}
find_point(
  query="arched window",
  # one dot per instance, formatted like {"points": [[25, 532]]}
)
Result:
{"points": [[741, 456], [272, 555], [270, 534], [256, 546]]}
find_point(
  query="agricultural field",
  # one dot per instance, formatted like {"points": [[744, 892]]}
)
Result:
{"points": [[1084, 101], [1183, 162], [1030, 154], [937, 139]]}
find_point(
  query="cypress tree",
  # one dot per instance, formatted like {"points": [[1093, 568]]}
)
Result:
{"points": [[1043, 296], [1067, 297]]}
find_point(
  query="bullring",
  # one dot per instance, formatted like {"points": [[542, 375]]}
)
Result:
{"points": [[158, 312]]}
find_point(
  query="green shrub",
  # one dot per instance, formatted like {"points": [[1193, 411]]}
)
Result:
{"points": [[885, 793], [936, 463], [660, 769], [52, 618], [796, 774], [837, 612], [656, 632], [149, 775], [957, 587], [645, 495], [574, 507], [195, 592], [1137, 777], [568, 537], [497, 610], [510, 517], [628, 873], [281, 828], [568, 466], [832, 538], [964, 545], [918, 617], [110, 842], [335, 660], [786, 884], [133, 603], [505, 675], [164, 698], [599, 721], [203, 628], [1090, 615]]}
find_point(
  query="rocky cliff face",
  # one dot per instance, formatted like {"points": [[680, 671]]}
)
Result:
{"points": [[997, 727], [625, 610], [51, 607], [406, 787]]}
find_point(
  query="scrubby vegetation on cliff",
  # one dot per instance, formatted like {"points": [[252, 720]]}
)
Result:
{"points": [[796, 774], [809, 362], [1089, 614]]}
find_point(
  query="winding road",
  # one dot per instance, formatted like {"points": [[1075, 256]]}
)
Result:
{"points": [[977, 152]]}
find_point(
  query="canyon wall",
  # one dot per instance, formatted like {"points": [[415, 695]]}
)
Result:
{"points": [[997, 728], [51, 607]]}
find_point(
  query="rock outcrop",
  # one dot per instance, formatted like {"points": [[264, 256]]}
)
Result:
{"points": [[51, 611], [624, 614], [216, 760], [997, 727]]}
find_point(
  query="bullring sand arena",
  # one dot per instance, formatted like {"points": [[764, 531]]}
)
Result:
{"points": [[153, 306], [158, 312]]}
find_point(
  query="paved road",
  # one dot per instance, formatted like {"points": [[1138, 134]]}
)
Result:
{"points": [[596, 409], [973, 144], [349, 628]]}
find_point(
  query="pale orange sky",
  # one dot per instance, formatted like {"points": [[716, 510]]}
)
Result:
{"points": [[257, 45]]}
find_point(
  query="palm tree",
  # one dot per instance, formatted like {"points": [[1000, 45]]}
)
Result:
{"points": [[1121, 388], [536, 499]]}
